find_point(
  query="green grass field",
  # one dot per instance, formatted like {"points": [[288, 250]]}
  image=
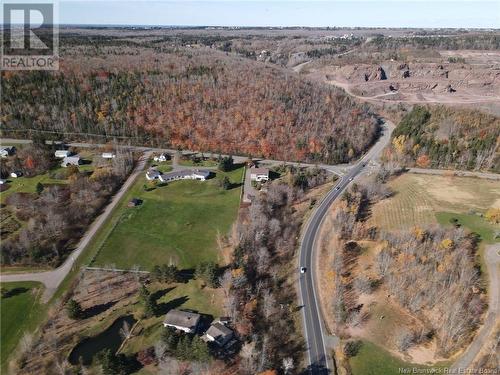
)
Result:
{"points": [[178, 222], [20, 313], [418, 198], [373, 360], [473, 223]]}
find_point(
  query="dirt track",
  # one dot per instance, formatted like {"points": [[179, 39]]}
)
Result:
{"points": [[52, 279], [492, 260]]}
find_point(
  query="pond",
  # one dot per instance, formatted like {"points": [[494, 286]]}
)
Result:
{"points": [[111, 339]]}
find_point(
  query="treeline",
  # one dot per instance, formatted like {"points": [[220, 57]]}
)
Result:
{"points": [[448, 296], [259, 293], [441, 137], [58, 214], [430, 272], [487, 41], [200, 101]]}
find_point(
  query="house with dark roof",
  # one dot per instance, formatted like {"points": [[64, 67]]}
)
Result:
{"points": [[182, 320], [219, 333]]}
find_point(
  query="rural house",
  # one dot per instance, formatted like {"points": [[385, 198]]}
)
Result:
{"points": [[62, 153], [187, 174], [161, 158], [16, 174], [152, 174], [259, 174], [108, 155], [6, 151], [182, 320], [219, 333], [71, 160]]}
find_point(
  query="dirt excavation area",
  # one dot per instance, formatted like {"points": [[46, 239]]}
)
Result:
{"points": [[450, 77]]}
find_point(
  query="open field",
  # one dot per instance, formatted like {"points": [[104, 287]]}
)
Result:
{"points": [[474, 223], [176, 223], [419, 198], [21, 312], [373, 360]]}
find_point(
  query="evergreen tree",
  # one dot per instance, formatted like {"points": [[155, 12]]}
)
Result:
{"points": [[74, 309], [39, 188], [207, 271]]}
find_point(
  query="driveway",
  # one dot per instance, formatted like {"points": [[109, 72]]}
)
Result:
{"points": [[492, 260], [52, 279]]}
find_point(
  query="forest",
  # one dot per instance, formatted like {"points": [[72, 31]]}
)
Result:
{"points": [[429, 272], [198, 100], [440, 137]]}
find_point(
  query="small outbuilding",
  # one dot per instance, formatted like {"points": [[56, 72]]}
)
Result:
{"points": [[16, 174], [219, 333], [108, 155], [2, 181], [134, 202], [185, 321]]}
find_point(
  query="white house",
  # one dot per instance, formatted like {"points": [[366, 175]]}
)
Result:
{"points": [[2, 181], [16, 174], [71, 160], [201, 175], [62, 154], [152, 174], [161, 158], [219, 334], [259, 174], [185, 321], [187, 174], [6, 151], [108, 155]]}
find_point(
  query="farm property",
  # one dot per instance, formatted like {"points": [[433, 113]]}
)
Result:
{"points": [[175, 223]]}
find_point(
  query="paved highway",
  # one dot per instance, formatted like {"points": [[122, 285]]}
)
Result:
{"points": [[314, 331]]}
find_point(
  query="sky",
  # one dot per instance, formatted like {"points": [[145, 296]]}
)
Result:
{"points": [[348, 13]]}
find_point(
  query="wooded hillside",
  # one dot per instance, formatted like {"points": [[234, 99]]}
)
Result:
{"points": [[440, 137], [196, 99]]}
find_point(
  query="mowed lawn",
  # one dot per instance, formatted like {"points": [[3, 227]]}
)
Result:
{"points": [[418, 200], [20, 313], [176, 223], [373, 360]]}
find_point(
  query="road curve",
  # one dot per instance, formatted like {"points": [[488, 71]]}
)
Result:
{"points": [[317, 354], [52, 279]]}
